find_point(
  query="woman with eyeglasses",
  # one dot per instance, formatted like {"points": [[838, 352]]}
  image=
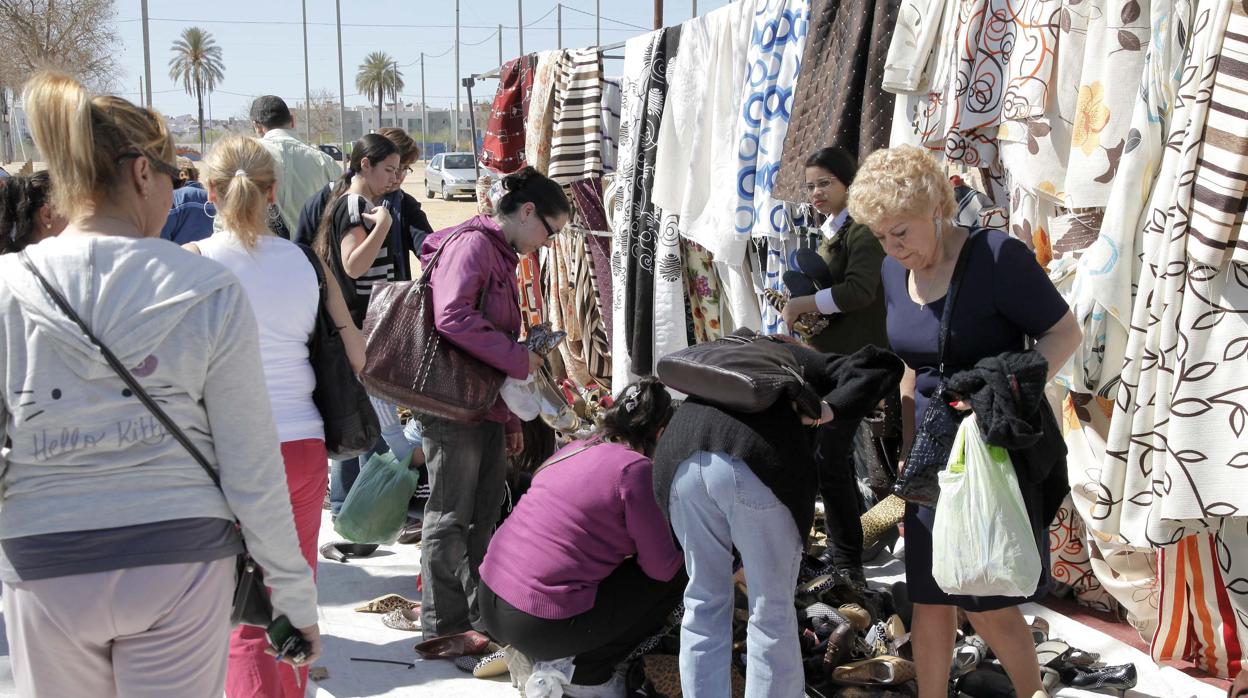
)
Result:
{"points": [[476, 307], [844, 284], [118, 552]]}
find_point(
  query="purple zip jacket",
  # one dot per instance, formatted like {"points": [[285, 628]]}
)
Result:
{"points": [[478, 259]]}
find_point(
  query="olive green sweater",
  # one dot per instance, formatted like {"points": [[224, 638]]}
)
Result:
{"points": [[854, 258]]}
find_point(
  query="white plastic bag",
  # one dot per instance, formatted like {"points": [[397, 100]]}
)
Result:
{"points": [[982, 542], [522, 398]]}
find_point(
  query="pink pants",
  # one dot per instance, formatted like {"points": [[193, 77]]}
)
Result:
{"points": [[251, 672]]}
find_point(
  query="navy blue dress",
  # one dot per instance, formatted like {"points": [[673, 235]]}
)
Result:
{"points": [[1005, 297]]}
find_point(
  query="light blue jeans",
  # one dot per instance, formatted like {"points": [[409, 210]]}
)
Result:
{"points": [[717, 503]]}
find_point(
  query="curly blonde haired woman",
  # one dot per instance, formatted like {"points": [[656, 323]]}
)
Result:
{"points": [[1005, 300], [117, 551]]}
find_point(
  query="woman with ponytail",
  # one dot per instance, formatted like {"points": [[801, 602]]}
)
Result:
{"points": [[26, 214], [282, 288], [585, 567], [117, 550]]}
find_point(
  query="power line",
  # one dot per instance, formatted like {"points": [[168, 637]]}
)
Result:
{"points": [[605, 19]]}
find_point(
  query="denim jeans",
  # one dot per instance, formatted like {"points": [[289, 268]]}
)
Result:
{"points": [[467, 479], [717, 503]]}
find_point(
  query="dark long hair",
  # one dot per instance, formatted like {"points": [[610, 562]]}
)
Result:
{"points": [[376, 148], [21, 199], [530, 186], [640, 413]]}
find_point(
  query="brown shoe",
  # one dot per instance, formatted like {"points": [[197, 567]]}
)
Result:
{"points": [[840, 645], [881, 671], [857, 616]]}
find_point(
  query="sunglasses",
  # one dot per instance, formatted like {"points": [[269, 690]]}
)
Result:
{"points": [[550, 232], [157, 164]]}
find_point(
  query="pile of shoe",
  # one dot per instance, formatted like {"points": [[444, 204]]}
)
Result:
{"points": [[976, 674]]}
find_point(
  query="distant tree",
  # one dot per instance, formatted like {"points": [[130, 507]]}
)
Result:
{"points": [[75, 36], [379, 77], [322, 118], [198, 65]]}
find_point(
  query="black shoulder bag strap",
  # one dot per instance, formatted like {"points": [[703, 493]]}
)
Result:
{"points": [[315, 261], [951, 297], [125, 375]]}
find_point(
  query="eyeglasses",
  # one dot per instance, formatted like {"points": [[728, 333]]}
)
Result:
{"points": [[157, 164], [405, 171], [550, 232], [821, 184]]}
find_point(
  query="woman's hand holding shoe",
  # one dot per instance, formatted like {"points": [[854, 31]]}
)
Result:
{"points": [[536, 361], [797, 307]]}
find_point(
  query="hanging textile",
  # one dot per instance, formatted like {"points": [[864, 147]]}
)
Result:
{"points": [[626, 199], [529, 277], [610, 122], [839, 99], [592, 215], [918, 69], [1070, 560], [1204, 600], [561, 309], [1176, 441], [670, 307], [985, 36], [1102, 295], [704, 292], [592, 347], [576, 143], [773, 63], [540, 117], [502, 148]]}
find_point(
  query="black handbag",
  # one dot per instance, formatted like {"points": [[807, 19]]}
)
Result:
{"points": [[741, 372], [351, 425], [934, 435], [251, 598]]}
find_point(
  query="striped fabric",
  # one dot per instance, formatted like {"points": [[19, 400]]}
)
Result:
{"points": [[611, 96], [1218, 196], [529, 278], [1204, 610], [576, 146]]}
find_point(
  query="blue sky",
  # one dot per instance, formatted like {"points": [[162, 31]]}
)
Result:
{"points": [[263, 42]]}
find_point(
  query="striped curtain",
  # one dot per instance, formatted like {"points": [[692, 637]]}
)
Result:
{"points": [[576, 145], [1204, 600]]}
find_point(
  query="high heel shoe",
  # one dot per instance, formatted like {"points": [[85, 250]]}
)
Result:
{"points": [[1118, 678]]}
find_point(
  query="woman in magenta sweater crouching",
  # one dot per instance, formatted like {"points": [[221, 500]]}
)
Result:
{"points": [[585, 568]]}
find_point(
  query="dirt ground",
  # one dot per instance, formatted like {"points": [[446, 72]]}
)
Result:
{"points": [[442, 214]]}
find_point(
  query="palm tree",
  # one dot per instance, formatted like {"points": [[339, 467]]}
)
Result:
{"points": [[197, 64], [378, 78]]}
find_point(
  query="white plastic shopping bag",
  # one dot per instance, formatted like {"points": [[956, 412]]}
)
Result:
{"points": [[982, 542], [522, 398]]}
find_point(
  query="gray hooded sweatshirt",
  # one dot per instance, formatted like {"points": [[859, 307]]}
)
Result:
{"points": [[86, 455]]}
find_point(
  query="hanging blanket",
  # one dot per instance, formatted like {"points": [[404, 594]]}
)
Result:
{"points": [[610, 123], [1176, 450], [638, 60], [1204, 607], [540, 117], [985, 36], [502, 148], [839, 99], [576, 143], [704, 293], [593, 216]]}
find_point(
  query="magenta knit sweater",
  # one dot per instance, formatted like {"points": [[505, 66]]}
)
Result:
{"points": [[580, 519]]}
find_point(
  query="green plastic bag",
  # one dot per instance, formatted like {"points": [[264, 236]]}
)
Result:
{"points": [[376, 507], [982, 542]]}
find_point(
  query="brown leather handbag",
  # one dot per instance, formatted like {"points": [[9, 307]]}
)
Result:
{"points": [[410, 363]]}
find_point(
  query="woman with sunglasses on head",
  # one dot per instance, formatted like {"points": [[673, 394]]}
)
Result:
{"points": [[476, 307], [118, 550]]}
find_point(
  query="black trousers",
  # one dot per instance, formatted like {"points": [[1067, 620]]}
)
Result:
{"points": [[628, 608], [838, 487]]}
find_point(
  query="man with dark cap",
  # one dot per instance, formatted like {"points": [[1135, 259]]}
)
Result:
{"points": [[301, 169]]}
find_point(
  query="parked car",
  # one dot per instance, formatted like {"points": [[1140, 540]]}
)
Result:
{"points": [[189, 152], [332, 150], [451, 174]]}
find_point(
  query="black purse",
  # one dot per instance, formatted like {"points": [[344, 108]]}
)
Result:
{"points": [[934, 435], [351, 425], [251, 599]]}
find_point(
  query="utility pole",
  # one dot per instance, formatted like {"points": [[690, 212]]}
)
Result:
{"points": [[520, 23], [500, 44], [598, 22], [455, 127], [658, 14], [342, 92], [307, 88], [424, 112], [559, 23], [695, 8], [147, 59]]}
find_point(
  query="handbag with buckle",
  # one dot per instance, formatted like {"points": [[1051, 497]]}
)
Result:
{"points": [[251, 598], [934, 435], [409, 362]]}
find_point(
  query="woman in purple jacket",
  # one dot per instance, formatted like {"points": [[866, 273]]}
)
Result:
{"points": [[585, 568], [476, 307]]}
